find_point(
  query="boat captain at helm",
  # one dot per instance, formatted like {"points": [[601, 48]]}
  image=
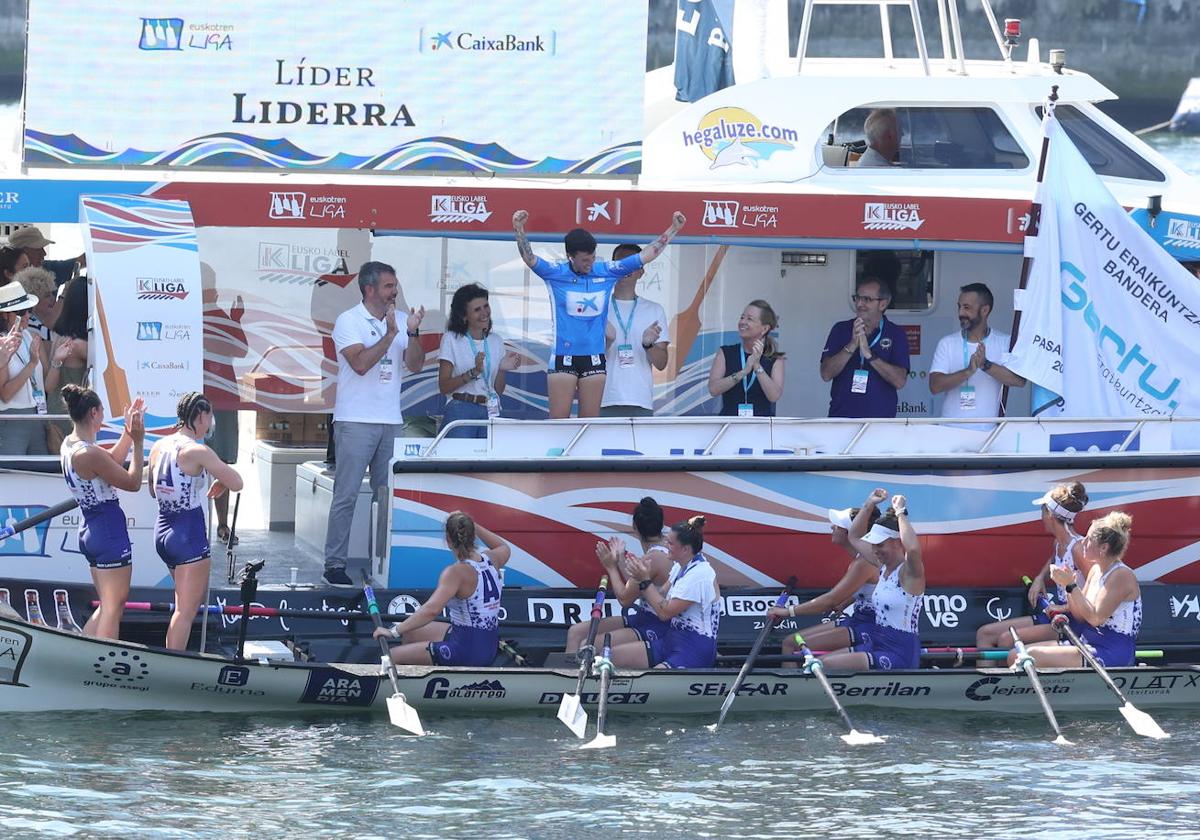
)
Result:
{"points": [[882, 129]]}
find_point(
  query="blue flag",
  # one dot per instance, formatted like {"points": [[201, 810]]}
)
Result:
{"points": [[703, 48]]}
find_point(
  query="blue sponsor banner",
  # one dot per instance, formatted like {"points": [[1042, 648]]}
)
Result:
{"points": [[31, 200]]}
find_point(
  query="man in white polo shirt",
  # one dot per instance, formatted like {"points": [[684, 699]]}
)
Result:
{"points": [[367, 419], [637, 337], [966, 364]]}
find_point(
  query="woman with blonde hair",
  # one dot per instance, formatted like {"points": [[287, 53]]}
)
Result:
{"points": [[470, 587], [748, 376], [1107, 607], [1060, 506]]}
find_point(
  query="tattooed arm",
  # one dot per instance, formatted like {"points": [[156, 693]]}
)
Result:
{"points": [[519, 220], [658, 245]]}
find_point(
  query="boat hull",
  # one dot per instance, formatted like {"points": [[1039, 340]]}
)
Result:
{"points": [[43, 670]]}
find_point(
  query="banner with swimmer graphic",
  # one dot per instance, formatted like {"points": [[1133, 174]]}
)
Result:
{"points": [[1109, 322], [398, 87]]}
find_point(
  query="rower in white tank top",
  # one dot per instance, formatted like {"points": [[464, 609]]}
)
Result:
{"points": [[175, 490], [481, 609]]}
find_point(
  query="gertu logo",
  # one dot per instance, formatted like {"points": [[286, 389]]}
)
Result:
{"points": [[1075, 298]]}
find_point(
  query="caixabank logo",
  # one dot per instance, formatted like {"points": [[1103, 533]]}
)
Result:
{"points": [[446, 40]]}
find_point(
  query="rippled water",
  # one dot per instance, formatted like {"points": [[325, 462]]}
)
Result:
{"points": [[167, 776]]}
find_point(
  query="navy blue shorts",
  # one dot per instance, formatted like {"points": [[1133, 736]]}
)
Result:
{"points": [[857, 620], [181, 538], [889, 649], [104, 536], [646, 624], [1113, 649], [682, 649], [465, 646]]}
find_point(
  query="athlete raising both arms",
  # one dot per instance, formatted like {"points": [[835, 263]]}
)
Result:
{"points": [[580, 289]]}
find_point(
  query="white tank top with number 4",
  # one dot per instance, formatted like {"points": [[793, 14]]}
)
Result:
{"points": [[481, 609], [175, 490], [89, 492]]}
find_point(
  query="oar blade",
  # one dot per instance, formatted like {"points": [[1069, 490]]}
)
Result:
{"points": [[600, 742], [403, 715], [858, 739], [1141, 723], [1062, 742], [573, 715]]}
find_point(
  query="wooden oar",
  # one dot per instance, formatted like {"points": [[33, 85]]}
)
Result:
{"points": [[686, 325], [116, 383], [814, 666], [570, 709], [1139, 721], [1026, 663], [741, 677], [604, 666], [37, 519], [400, 713]]}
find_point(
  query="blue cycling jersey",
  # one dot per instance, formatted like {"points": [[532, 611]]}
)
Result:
{"points": [[581, 302]]}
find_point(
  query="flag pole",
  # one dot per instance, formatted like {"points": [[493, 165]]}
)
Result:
{"points": [[1031, 232]]}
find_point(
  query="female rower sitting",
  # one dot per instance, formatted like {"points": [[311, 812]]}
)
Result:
{"points": [[1107, 609], [94, 475], [892, 641], [470, 587], [640, 623], [1060, 506], [855, 588], [691, 606], [180, 465]]}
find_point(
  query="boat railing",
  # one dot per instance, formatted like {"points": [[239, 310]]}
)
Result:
{"points": [[949, 26], [775, 437]]}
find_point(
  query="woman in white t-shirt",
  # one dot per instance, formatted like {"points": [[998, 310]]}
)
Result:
{"points": [[22, 378], [472, 362]]}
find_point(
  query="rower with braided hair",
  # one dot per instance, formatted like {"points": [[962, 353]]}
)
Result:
{"points": [[470, 589], [180, 466], [691, 605]]}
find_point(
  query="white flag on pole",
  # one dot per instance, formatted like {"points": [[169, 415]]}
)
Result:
{"points": [[1110, 323]]}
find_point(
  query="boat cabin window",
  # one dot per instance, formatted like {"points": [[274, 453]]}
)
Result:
{"points": [[1104, 153], [908, 273], [931, 138]]}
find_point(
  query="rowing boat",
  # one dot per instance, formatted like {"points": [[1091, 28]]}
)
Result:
{"points": [[45, 669]]}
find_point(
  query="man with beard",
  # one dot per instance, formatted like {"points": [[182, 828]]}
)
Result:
{"points": [[965, 364], [371, 348]]}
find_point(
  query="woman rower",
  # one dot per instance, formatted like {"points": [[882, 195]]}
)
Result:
{"points": [[640, 623], [1060, 506], [1107, 608], [892, 641], [470, 587], [855, 587], [180, 465], [93, 476], [691, 606]]}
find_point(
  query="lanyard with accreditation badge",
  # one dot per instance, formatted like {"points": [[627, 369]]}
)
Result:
{"points": [[493, 399], [625, 349], [385, 361], [966, 394], [858, 385]]}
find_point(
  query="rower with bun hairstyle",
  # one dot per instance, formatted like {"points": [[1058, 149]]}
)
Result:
{"points": [[892, 641], [639, 622], [691, 606], [469, 588], [1107, 607], [1059, 506], [94, 475], [180, 466]]}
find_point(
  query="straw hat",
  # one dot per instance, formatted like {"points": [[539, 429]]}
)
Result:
{"points": [[28, 237]]}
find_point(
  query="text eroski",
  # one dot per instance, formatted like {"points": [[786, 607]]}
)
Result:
{"points": [[286, 112]]}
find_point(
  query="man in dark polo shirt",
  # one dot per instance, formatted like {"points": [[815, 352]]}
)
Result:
{"points": [[865, 358]]}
